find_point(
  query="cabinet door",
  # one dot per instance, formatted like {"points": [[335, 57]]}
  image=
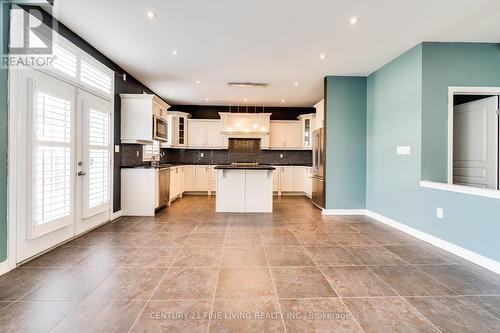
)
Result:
{"points": [[258, 191], [213, 178], [181, 180], [189, 178], [293, 135], [174, 183], [196, 133], [201, 178], [181, 133], [213, 134], [299, 174], [157, 189], [276, 179], [286, 179], [276, 135]]}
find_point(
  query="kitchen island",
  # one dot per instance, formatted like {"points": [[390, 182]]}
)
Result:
{"points": [[244, 188]]}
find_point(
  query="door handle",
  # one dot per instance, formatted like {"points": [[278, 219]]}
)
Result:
{"points": [[81, 173]]}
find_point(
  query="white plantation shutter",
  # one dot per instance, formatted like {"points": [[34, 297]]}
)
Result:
{"points": [[65, 61], [94, 78], [51, 160], [96, 113], [98, 158]]}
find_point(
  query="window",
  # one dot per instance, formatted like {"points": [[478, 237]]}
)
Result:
{"points": [[98, 158], [474, 139], [150, 152], [52, 159], [65, 61], [93, 77]]}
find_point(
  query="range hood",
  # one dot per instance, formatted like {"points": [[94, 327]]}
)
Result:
{"points": [[245, 125]]}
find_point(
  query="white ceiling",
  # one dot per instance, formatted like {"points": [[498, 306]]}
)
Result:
{"points": [[273, 41]]}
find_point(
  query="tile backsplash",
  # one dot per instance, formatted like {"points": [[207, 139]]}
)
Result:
{"points": [[132, 156]]}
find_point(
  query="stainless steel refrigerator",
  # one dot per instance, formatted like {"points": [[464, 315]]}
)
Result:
{"points": [[318, 169]]}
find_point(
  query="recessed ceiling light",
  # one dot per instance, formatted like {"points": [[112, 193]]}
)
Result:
{"points": [[198, 81], [206, 98], [322, 56], [353, 20], [151, 15], [246, 100], [175, 52], [282, 101], [296, 84]]}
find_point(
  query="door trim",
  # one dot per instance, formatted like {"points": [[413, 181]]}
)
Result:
{"points": [[455, 90], [12, 175]]}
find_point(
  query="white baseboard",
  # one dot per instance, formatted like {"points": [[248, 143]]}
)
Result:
{"points": [[115, 215], [5, 267], [478, 259], [343, 212]]}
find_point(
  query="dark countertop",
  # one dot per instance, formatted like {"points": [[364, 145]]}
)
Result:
{"points": [[248, 167], [147, 166]]}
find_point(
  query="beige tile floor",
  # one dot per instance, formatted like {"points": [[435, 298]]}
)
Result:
{"points": [[191, 270]]}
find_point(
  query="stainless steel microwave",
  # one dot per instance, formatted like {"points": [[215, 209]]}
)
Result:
{"points": [[160, 129]]}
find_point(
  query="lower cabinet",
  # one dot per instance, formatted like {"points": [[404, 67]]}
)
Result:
{"points": [[292, 179], [176, 182], [197, 178]]}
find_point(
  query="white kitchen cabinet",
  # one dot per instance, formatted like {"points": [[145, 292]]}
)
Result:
{"points": [[307, 126], [189, 178], [213, 134], [286, 180], [177, 130], [320, 114], [202, 178], [197, 178], [137, 111], [276, 179], [176, 182], [157, 188], [285, 134], [213, 178], [276, 135], [299, 175], [140, 191], [292, 179], [196, 133], [205, 133]]}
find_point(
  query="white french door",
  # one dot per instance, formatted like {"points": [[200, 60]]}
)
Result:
{"points": [[93, 161], [63, 161]]}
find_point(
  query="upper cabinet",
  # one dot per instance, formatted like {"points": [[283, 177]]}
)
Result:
{"points": [[285, 134], [307, 125], [138, 112], [205, 133], [320, 114], [177, 130]]}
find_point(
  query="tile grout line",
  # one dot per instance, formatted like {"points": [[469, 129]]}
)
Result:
{"points": [[79, 303], [274, 287], [216, 283], [331, 286], [400, 297], [458, 295], [156, 288]]}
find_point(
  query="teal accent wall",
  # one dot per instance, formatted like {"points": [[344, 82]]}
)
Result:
{"points": [[4, 24], [445, 65], [345, 118], [408, 105], [394, 98]]}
